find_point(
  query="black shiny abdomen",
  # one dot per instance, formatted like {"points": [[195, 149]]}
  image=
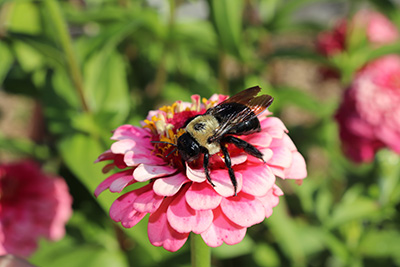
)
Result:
{"points": [[228, 110]]}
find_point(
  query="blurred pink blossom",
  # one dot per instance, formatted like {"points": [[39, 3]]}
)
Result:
{"points": [[334, 41], [32, 205], [369, 116], [378, 30], [177, 195]]}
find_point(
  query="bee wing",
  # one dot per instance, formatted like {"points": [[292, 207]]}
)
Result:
{"points": [[255, 106], [243, 97]]}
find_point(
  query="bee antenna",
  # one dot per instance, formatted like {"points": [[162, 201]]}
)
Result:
{"points": [[172, 151], [163, 142]]}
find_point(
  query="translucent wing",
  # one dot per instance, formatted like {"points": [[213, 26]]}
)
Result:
{"points": [[251, 106]]}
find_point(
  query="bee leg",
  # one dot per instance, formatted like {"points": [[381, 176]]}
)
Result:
{"points": [[229, 166], [248, 148], [205, 166]]}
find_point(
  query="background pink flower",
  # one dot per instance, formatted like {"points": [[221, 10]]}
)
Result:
{"points": [[177, 195], [32, 205], [378, 30], [369, 114]]}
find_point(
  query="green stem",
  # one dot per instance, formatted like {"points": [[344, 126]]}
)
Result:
{"points": [[200, 252], [61, 29]]}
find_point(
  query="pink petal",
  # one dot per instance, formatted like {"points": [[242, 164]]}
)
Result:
{"points": [[244, 210], [278, 171], [161, 233], [287, 142], [298, 168], [223, 230], [169, 186], [119, 184], [282, 157], [273, 126], [106, 155], [267, 154], [271, 199], [223, 184], [259, 179], [201, 196], [108, 168], [262, 139], [239, 159], [147, 202], [184, 219], [145, 172], [133, 159], [196, 175], [110, 180], [123, 146], [129, 131], [122, 209], [196, 102]]}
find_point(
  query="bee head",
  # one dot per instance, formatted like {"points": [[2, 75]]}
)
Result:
{"points": [[188, 147]]}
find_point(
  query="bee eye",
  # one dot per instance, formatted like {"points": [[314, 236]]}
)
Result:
{"points": [[199, 126]]}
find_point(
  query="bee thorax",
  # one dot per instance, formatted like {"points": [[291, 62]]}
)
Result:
{"points": [[201, 129]]}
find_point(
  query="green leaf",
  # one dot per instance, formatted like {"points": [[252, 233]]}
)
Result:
{"points": [[231, 251], [106, 85], [6, 61], [70, 254], [25, 17], [286, 233], [380, 243], [24, 147], [61, 104], [86, 243], [40, 49], [293, 96], [355, 209], [312, 238], [337, 247], [227, 19], [265, 256], [283, 17], [79, 151], [324, 204], [28, 57]]}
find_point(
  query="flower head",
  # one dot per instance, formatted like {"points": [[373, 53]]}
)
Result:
{"points": [[178, 196], [32, 205], [369, 114]]}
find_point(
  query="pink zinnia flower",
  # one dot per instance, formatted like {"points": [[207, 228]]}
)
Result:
{"points": [[178, 196], [32, 205], [369, 116], [378, 29]]}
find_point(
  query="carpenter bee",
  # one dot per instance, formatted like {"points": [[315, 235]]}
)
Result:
{"points": [[210, 132]]}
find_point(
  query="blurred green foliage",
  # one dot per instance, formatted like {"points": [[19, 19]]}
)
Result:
{"points": [[96, 64]]}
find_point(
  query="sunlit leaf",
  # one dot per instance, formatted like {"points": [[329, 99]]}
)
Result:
{"points": [[227, 18]]}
